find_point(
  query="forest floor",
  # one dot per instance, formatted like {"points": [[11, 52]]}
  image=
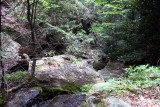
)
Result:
{"points": [[149, 98]]}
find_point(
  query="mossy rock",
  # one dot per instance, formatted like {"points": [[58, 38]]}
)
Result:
{"points": [[48, 88], [97, 102], [99, 65], [67, 88], [100, 103]]}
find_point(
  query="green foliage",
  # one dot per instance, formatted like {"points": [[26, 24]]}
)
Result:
{"points": [[86, 87], [75, 42], [114, 32], [51, 53], [58, 29], [17, 77], [76, 60], [143, 75], [78, 43], [63, 17], [135, 79], [125, 28]]}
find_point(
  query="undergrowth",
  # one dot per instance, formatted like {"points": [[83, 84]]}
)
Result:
{"points": [[16, 77], [134, 80]]}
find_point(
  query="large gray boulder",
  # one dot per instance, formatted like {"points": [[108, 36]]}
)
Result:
{"points": [[60, 73], [10, 50]]}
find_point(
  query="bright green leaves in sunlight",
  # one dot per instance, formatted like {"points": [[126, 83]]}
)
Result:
{"points": [[117, 21], [49, 4], [143, 75]]}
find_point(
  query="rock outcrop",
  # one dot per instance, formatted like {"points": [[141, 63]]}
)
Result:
{"points": [[112, 70], [10, 50], [60, 73], [23, 97], [12, 58]]}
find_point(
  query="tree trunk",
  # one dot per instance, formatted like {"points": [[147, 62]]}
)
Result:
{"points": [[2, 67]]}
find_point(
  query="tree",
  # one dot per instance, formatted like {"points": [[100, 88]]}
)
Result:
{"points": [[2, 68], [119, 22], [31, 16]]}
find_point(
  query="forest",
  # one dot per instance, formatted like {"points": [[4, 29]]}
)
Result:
{"points": [[80, 53]]}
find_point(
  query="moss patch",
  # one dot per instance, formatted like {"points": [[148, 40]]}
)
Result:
{"points": [[99, 65], [99, 102], [67, 88], [17, 77]]}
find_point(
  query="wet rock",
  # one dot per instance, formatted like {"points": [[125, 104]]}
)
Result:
{"points": [[23, 97], [71, 100], [61, 74]]}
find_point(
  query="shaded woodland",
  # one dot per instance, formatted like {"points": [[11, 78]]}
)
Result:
{"points": [[80, 53]]}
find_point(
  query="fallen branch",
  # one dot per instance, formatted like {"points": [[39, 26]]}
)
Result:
{"points": [[18, 87]]}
